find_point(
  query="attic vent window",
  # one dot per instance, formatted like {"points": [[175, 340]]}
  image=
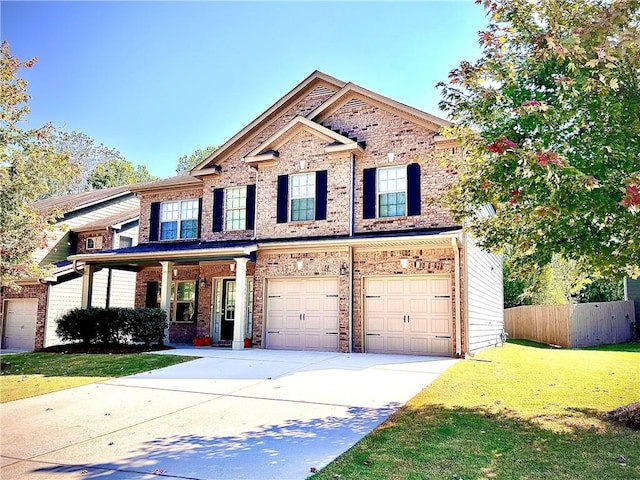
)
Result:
{"points": [[353, 104], [320, 91], [93, 243]]}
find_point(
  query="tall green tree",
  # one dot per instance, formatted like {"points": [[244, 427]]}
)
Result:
{"points": [[186, 163], [549, 118], [29, 164], [86, 153], [116, 172]]}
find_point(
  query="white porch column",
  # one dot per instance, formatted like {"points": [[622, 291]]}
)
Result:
{"points": [[240, 320], [87, 285], [165, 294]]}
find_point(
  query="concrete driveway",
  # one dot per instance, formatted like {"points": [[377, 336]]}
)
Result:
{"points": [[246, 414]]}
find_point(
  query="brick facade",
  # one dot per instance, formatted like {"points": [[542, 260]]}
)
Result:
{"points": [[105, 235], [147, 198]]}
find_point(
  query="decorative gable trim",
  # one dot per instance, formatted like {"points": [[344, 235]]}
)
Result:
{"points": [[351, 94], [321, 79], [266, 154]]}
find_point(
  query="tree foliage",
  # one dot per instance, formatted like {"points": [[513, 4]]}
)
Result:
{"points": [[116, 172], [29, 164], [86, 153], [549, 118], [188, 163]]}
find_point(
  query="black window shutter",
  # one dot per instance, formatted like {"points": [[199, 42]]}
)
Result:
{"points": [[321, 195], [151, 297], [283, 198], [199, 217], [369, 193], [414, 199], [218, 205], [194, 317], [251, 207], [154, 221]]}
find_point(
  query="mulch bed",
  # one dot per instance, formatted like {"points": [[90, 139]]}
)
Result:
{"points": [[103, 348], [628, 415]]}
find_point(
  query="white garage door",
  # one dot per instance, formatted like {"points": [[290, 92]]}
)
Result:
{"points": [[411, 315], [20, 323], [302, 314]]}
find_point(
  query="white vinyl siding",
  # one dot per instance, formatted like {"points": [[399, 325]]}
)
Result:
{"points": [[67, 295], [485, 313]]}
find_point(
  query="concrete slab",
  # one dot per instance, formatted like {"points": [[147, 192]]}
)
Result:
{"points": [[230, 415]]}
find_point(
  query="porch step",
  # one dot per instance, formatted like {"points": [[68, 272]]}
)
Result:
{"points": [[222, 343]]}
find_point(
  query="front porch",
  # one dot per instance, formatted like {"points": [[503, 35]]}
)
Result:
{"points": [[206, 292]]}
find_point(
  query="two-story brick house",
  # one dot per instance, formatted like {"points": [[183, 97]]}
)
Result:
{"points": [[89, 222], [315, 228]]}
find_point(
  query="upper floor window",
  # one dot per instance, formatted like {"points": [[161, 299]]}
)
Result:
{"points": [[303, 196], [392, 191], [179, 220], [234, 208], [235, 215], [125, 242], [93, 243]]}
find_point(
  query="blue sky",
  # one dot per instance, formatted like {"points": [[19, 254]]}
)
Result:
{"points": [[157, 80]]}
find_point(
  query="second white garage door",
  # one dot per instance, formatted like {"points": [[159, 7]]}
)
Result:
{"points": [[20, 326], [302, 314], [411, 315]]}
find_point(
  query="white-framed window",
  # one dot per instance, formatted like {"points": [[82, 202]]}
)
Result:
{"points": [[235, 202], [124, 241], [179, 219], [392, 191], [93, 243], [303, 197], [183, 301]]}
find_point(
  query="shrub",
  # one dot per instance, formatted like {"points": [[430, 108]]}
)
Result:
{"points": [[78, 325], [113, 325], [146, 325]]}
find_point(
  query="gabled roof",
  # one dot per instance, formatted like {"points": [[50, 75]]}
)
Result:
{"points": [[178, 181], [110, 221], [76, 201], [351, 90], [262, 121], [267, 150]]}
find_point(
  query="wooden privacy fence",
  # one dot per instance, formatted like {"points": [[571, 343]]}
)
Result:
{"points": [[577, 325]]}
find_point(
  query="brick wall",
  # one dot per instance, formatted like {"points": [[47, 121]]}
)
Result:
{"points": [[164, 196], [309, 147], [315, 264], [107, 240], [385, 132], [421, 261], [39, 292]]}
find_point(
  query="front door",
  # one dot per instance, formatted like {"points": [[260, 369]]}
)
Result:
{"points": [[228, 309]]}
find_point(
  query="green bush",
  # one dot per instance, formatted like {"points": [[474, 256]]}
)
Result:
{"points": [[113, 325], [78, 325], [146, 325]]}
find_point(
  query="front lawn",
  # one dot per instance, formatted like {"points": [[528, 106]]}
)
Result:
{"points": [[29, 374], [513, 412]]}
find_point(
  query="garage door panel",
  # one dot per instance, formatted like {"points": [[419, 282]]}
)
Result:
{"points": [[20, 323], [309, 307], [395, 305], [408, 313]]}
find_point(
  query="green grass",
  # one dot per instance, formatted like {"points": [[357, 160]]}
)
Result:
{"points": [[29, 374], [513, 412]]}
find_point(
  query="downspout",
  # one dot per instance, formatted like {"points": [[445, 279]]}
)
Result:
{"points": [[456, 253], [352, 215]]}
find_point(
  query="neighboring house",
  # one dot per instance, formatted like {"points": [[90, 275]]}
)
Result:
{"points": [[90, 222], [314, 228]]}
